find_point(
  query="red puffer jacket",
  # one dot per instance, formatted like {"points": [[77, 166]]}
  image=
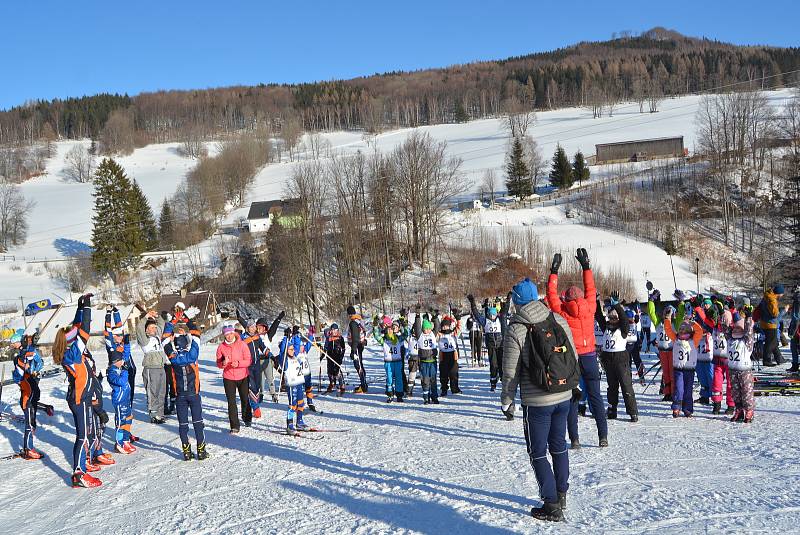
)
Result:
{"points": [[579, 312]]}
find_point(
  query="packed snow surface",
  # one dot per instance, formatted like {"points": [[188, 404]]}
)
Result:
{"points": [[458, 467]]}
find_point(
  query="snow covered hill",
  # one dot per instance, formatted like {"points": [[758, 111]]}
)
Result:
{"points": [[458, 467], [60, 223]]}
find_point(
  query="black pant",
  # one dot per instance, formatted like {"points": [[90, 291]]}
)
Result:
{"points": [[131, 378], [170, 394], [476, 341], [618, 374], [495, 363], [231, 387], [772, 352], [448, 372], [357, 354], [646, 338]]}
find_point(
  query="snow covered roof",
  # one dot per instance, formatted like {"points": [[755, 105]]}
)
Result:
{"points": [[49, 321]]}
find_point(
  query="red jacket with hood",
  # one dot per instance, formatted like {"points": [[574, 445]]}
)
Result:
{"points": [[579, 312]]}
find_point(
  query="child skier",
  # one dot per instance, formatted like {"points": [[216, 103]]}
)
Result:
{"points": [[27, 366], [357, 338], [684, 361], [633, 343], [117, 376], [616, 361], [427, 347], [740, 364], [413, 357], [705, 315], [448, 356], [148, 334], [494, 326], [118, 340], [334, 348], [720, 363], [664, 346], [294, 372], [392, 341], [183, 351]]}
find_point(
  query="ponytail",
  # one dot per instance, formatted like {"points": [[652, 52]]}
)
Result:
{"points": [[60, 345]]}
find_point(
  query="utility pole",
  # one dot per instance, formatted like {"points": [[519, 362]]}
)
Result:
{"points": [[697, 271], [24, 317]]}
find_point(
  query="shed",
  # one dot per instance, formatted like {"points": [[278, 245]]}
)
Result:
{"points": [[470, 205], [638, 150], [263, 213]]}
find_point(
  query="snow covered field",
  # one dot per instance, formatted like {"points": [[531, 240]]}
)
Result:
{"points": [[458, 467]]}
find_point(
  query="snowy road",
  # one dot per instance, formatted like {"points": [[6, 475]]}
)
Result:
{"points": [[458, 467]]}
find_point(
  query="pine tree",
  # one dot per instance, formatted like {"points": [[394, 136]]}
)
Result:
{"points": [[165, 227], [518, 180], [561, 170], [116, 236], [140, 213], [460, 113], [670, 246], [580, 171]]}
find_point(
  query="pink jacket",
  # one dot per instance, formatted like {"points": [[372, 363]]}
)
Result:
{"points": [[234, 359]]}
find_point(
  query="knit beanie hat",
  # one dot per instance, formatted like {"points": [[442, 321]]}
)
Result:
{"points": [[524, 292]]}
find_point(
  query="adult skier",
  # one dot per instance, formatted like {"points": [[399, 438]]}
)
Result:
{"points": [[357, 338], [578, 308], [493, 324], [615, 359]]}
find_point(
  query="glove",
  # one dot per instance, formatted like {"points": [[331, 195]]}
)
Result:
{"points": [[583, 259], [556, 263], [508, 411], [614, 297], [577, 394]]}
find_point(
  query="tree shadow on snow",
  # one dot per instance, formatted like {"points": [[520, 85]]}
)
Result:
{"points": [[72, 248], [399, 511]]}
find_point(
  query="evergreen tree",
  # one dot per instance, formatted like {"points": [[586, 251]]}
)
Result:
{"points": [[580, 171], [670, 247], [116, 236], [460, 113], [141, 214], [561, 170], [518, 180], [165, 227]]}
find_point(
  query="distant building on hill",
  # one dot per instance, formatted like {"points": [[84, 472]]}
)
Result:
{"points": [[263, 213], [639, 150]]}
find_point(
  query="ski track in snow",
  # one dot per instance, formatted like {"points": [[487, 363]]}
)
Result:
{"points": [[458, 467]]}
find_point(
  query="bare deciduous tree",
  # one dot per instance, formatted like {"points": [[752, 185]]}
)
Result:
{"points": [[489, 183], [118, 135], [14, 210], [537, 165], [79, 164]]}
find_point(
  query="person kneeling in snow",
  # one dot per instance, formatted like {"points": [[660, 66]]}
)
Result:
{"points": [[117, 376]]}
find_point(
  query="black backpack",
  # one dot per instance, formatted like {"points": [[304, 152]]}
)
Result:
{"points": [[548, 357]]}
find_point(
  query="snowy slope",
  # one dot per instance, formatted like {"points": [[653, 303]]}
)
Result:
{"points": [[607, 249], [458, 467]]}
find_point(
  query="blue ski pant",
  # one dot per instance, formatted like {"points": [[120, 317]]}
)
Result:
{"points": [[682, 386], [82, 416], [545, 428], [394, 377], [590, 384], [297, 402], [183, 404], [705, 376], [123, 419], [28, 402], [428, 372]]}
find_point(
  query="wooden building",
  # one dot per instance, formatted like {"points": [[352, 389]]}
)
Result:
{"points": [[639, 150]]}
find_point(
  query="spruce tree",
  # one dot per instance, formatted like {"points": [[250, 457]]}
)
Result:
{"points": [[518, 180], [561, 170], [580, 171], [140, 214], [670, 247], [460, 113], [165, 226]]}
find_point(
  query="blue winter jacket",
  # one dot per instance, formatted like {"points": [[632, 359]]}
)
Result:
{"points": [[182, 352], [120, 386]]}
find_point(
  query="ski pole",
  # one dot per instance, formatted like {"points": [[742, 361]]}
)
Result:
{"points": [[653, 380]]}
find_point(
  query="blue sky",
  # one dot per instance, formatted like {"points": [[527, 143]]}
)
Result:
{"points": [[56, 48]]}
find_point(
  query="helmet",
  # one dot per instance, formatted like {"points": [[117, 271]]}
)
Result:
{"points": [[16, 338], [492, 311], [630, 313]]}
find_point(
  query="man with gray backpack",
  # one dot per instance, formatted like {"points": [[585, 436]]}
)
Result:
{"points": [[539, 357]]}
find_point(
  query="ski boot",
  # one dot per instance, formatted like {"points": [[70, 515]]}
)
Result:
{"points": [[399, 397], [30, 454], [202, 454], [603, 442], [91, 467], [341, 392], [794, 368], [329, 389], [729, 411], [301, 425], [134, 438], [611, 413], [748, 417], [716, 408], [274, 398], [425, 401], [634, 418], [703, 400], [443, 394], [676, 413], [562, 501], [312, 407], [187, 452], [640, 373], [290, 429], [82, 479], [550, 512], [389, 398], [581, 409], [156, 420], [738, 415], [492, 387], [687, 414], [104, 459], [575, 444], [257, 412]]}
